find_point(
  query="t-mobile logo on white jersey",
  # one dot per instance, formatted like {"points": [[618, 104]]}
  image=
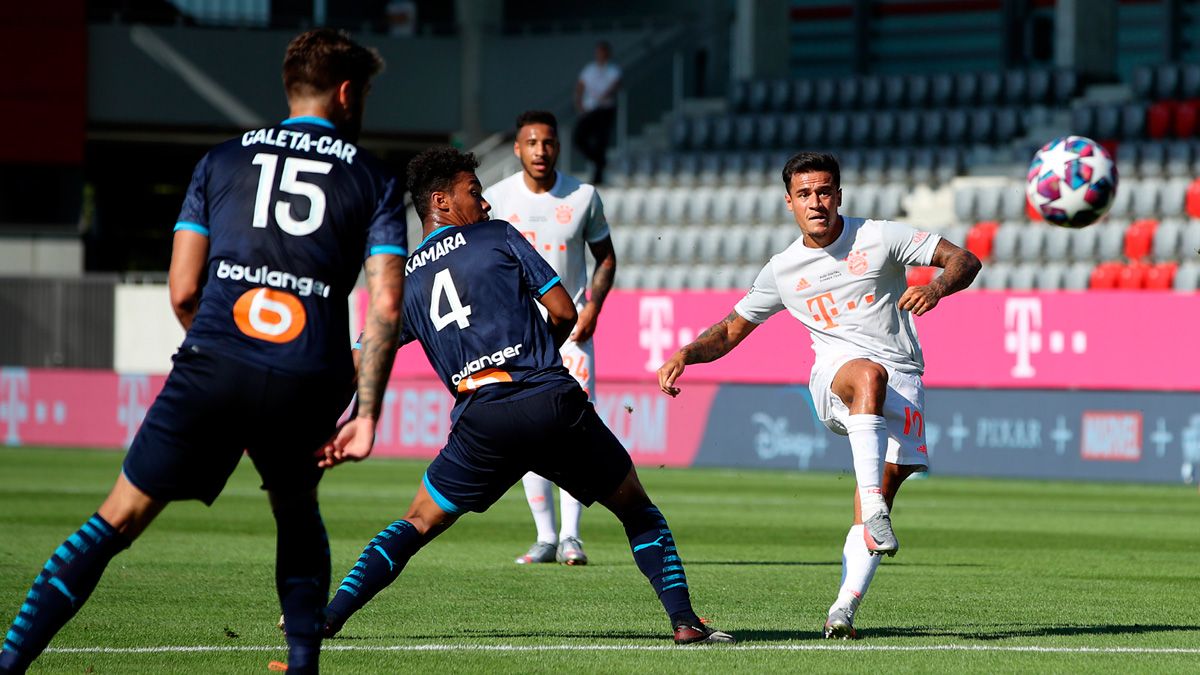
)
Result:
{"points": [[130, 409], [656, 330], [1023, 335], [14, 410]]}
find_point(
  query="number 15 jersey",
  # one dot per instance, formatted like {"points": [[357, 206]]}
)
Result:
{"points": [[470, 298], [291, 212]]}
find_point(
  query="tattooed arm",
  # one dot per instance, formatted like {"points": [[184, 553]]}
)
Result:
{"points": [[385, 283], [959, 267], [602, 281], [715, 342]]}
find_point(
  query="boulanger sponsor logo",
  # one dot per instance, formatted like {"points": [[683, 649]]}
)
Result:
{"points": [[1111, 436], [270, 315], [485, 369], [773, 439], [303, 286]]}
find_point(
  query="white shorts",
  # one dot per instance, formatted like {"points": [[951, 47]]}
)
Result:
{"points": [[903, 410], [580, 361]]}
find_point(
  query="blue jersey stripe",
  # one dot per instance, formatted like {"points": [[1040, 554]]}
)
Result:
{"points": [[388, 249], [548, 286], [445, 504], [309, 119], [191, 227]]}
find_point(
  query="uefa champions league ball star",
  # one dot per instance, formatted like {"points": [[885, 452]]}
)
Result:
{"points": [[1072, 181]]}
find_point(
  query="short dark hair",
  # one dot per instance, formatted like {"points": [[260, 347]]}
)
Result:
{"points": [[321, 59], [537, 117], [434, 170], [605, 45], [808, 162]]}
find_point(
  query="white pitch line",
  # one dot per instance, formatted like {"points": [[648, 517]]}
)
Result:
{"points": [[638, 648]]}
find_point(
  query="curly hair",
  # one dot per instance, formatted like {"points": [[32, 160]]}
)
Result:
{"points": [[319, 60], [434, 170]]}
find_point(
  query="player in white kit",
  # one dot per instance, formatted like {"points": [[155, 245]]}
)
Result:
{"points": [[845, 280], [559, 215]]}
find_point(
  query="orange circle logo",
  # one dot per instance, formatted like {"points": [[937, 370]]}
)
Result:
{"points": [[563, 213], [267, 314]]}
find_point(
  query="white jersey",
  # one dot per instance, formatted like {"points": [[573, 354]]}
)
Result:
{"points": [[597, 80], [846, 293], [559, 223]]}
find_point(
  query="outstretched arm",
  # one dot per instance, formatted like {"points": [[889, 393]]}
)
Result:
{"points": [[715, 342], [959, 268], [602, 281]]}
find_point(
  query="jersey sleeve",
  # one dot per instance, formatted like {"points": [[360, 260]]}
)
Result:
{"points": [[539, 276], [762, 301], [388, 231], [596, 228], [907, 245], [193, 215]]}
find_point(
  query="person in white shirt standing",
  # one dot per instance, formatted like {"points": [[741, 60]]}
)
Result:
{"points": [[559, 215], [596, 101], [845, 280]]}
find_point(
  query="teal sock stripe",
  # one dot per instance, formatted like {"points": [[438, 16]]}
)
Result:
{"points": [[671, 562], [354, 578]]}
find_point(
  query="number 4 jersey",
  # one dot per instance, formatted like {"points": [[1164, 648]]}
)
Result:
{"points": [[291, 212], [470, 298]]}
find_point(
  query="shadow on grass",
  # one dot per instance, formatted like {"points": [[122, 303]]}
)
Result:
{"points": [[814, 563], [1002, 632]]}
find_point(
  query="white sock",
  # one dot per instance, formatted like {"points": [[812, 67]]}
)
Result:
{"points": [[539, 492], [868, 443], [858, 568], [572, 511]]}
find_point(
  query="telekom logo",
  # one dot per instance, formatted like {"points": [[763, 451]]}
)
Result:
{"points": [[130, 409], [656, 315], [14, 409], [1023, 335]]}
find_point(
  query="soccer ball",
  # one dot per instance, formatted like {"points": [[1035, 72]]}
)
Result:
{"points": [[1072, 181]]}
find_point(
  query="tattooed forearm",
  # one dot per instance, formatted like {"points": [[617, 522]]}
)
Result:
{"points": [[385, 281], [712, 344], [602, 279], [958, 271]]}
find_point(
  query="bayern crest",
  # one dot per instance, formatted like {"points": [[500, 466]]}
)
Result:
{"points": [[1072, 181]]}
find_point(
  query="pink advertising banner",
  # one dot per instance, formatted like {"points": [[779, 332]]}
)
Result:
{"points": [[1132, 340]]}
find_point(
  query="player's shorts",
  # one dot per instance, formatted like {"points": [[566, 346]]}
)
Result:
{"points": [[213, 408], [903, 409], [554, 433], [580, 360]]}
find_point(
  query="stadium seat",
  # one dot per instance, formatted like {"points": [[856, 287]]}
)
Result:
{"points": [[1056, 243], [1173, 197], [994, 277], [883, 130], [739, 95], [949, 163], [1189, 241], [662, 249], [679, 133], [1189, 81], [1159, 119], [1187, 277], [966, 89], [745, 275], [630, 276], [917, 90], [1077, 277], [1031, 241], [1039, 85], [723, 277], [1104, 276], [654, 208], [745, 207], [687, 244], [1166, 81], [1133, 120], [891, 202], [1082, 247], [790, 131], [899, 165], [1008, 124], [859, 133], [1187, 116], [837, 130], [653, 277], [941, 90], [957, 126], [662, 173], [825, 93], [675, 277], [923, 163], [847, 93], [966, 202], [1141, 80], [780, 98], [908, 127], [697, 206], [1193, 198], [711, 169], [641, 242], [1108, 122], [874, 166], [759, 96], [701, 132], [1139, 239], [852, 166], [1050, 276], [628, 210], [894, 90], [743, 134], [982, 125], [1083, 121], [991, 87], [782, 236], [1016, 86], [814, 129], [1110, 239], [1160, 277], [709, 243], [802, 95], [933, 127], [1131, 277], [988, 200], [979, 239], [1004, 244], [1152, 159], [921, 276], [1023, 276], [733, 244], [758, 168], [870, 92], [1145, 200], [767, 131], [687, 170], [1167, 237], [758, 245], [1124, 198], [955, 234], [1064, 85], [724, 205]]}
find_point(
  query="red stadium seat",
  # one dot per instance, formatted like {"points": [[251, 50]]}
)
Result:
{"points": [[1104, 276], [1193, 199], [1187, 114], [1160, 277], [979, 238], [1132, 277], [920, 276], [1139, 238], [1158, 119]]}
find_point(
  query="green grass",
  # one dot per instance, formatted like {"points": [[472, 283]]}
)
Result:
{"points": [[984, 563]]}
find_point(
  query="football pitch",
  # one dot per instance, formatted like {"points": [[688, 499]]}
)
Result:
{"points": [[992, 576]]}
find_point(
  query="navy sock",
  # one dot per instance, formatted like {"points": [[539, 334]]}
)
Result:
{"points": [[65, 583], [655, 555], [378, 566], [302, 580]]}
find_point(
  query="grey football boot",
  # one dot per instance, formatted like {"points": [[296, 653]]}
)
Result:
{"points": [[570, 552], [877, 532], [840, 624], [540, 552]]}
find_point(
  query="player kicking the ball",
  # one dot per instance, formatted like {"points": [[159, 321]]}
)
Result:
{"points": [[473, 287], [560, 216], [845, 280]]}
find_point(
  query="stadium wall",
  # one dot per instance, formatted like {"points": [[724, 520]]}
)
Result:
{"points": [[1060, 393]]}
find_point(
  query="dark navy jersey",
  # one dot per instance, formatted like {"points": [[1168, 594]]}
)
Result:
{"points": [[291, 212], [470, 298]]}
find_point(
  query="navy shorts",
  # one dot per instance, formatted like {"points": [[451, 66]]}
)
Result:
{"points": [[555, 433], [212, 408]]}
